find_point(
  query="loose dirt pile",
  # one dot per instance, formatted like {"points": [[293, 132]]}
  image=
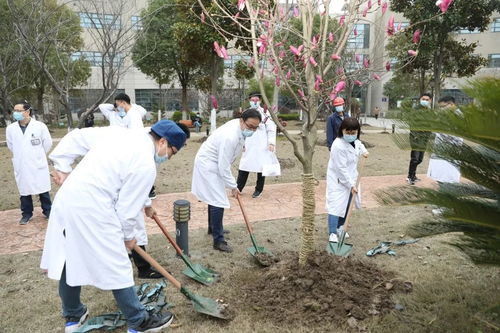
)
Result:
{"points": [[328, 289]]}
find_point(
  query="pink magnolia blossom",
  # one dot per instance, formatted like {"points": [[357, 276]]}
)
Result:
{"points": [[384, 7], [301, 94], [376, 77], [412, 53], [266, 24], [335, 56], [416, 36], [366, 62], [313, 61], [300, 48], [369, 5], [202, 17], [262, 49], [215, 105], [278, 44], [355, 32], [262, 12], [237, 15], [330, 37], [278, 81], [288, 75], [340, 86], [224, 52], [388, 65], [365, 11], [317, 85], [333, 95], [295, 11], [358, 83], [390, 26], [319, 78], [281, 54], [276, 70], [342, 20], [241, 5], [357, 58], [399, 26], [295, 50], [218, 50], [444, 5], [378, 2]]}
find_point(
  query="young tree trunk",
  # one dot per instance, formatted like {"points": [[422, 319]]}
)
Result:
{"points": [[438, 68], [64, 99], [421, 82], [5, 109], [185, 106]]}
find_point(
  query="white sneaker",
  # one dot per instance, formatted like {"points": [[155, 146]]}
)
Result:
{"points": [[438, 211], [72, 325], [340, 229], [333, 238]]}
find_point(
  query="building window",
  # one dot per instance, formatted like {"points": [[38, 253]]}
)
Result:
{"points": [[467, 31], [494, 60], [96, 60], [401, 25], [231, 62], [99, 21], [360, 39], [136, 22], [495, 26]]}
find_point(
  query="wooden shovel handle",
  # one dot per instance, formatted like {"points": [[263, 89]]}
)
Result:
{"points": [[245, 217], [165, 232], [349, 210], [157, 266]]}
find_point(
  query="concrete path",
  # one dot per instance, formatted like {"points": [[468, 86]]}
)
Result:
{"points": [[277, 201]]}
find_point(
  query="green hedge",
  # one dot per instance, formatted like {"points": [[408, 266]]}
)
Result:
{"points": [[289, 116], [178, 116]]}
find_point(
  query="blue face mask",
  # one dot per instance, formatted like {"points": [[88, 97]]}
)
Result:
{"points": [[254, 105], [425, 104], [339, 108], [160, 159], [247, 133], [121, 111], [17, 115], [350, 138]]}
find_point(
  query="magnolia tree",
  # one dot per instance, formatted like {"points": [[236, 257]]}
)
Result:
{"points": [[306, 50]]}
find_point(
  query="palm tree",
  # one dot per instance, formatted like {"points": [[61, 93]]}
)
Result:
{"points": [[472, 207]]}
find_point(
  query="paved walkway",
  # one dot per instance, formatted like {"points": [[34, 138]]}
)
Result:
{"points": [[280, 201]]}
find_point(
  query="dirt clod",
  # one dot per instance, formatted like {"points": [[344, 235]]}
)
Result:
{"points": [[265, 259]]}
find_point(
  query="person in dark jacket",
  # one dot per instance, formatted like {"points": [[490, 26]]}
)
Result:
{"points": [[418, 142], [334, 120]]}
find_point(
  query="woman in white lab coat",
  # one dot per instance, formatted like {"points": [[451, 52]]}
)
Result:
{"points": [[342, 174], [29, 141], [94, 216], [212, 170], [258, 149]]}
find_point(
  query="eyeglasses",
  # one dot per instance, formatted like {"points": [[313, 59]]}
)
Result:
{"points": [[250, 127], [16, 110], [174, 151]]}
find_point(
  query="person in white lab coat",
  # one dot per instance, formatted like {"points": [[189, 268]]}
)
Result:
{"points": [[342, 174], [258, 148], [122, 113], [29, 141], [212, 170], [94, 216]]}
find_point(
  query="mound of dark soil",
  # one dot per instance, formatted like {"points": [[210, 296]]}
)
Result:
{"points": [[328, 288]]}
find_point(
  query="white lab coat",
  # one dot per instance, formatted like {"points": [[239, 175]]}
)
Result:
{"points": [[257, 153], [212, 164], [342, 174], [213, 120], [96, 208], [441, 170], [133, 118], [29, 159]]}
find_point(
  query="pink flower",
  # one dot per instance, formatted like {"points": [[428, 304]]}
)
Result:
{"points": [[295, 50], [376, 77], [443, 5], [333, 95], [218, 50], [342, 20], [340, 86], [357, 58], [202, 17], [365, 11], [278, 44], [281, 54], [301, 94], [390, 26], [317, 85], [416, 36], [237, 15], [262, 49], [358, 83], [330, 37], [313, 61], [319, 78], [288, 75], [412, 53], [278, 81], [399, 26], [384, 7], [366, 62], [300, 48], [295, 11], [224, 52], [335, 56], [388, 65], [241, 5], [355, 31], [276, 70], [378, 2], [369, 5], [215, 105]]}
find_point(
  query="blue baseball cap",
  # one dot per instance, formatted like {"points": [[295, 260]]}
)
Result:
{"points": [[171, 132]]}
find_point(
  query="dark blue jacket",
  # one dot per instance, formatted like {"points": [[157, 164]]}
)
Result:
{"points": [[332, 127]]}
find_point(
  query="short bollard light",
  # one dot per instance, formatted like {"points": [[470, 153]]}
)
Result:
{"points": [[182, 214], [393, 128]]}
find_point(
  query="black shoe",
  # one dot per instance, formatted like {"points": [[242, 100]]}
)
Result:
{"points": [[410, 181], [256, 194], [224, 232], [152, 194], [151, 273], [416, 179], [223, 246], [25, 219], [154, 323]]}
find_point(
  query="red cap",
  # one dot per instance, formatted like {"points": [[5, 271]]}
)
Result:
{"points": [[338, 101]]}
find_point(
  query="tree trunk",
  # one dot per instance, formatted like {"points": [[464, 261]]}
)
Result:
{"points": [[5, 109], [65, 103], [185, 107], [421, 82], [438, 66]]}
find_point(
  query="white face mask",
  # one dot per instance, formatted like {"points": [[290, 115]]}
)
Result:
{"points": [[339, 108], [425, 104], [254, 105]]}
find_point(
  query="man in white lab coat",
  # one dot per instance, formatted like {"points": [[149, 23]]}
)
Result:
{"points": [[29, 141], [212, 170], [94, 217], [258, 148], [122, 113]]}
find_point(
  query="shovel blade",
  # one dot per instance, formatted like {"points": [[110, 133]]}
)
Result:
{"points": [[339, 249], [263, 256], [259, 249], [206, 305], [201, 274]]}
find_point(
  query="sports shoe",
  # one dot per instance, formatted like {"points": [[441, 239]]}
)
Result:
{"points": [[155, 323], [438, 211], [340, 229], [223, 247], [150, 273], [25, 219], [256, 194], [417, 179], [152, 193], [72, 323], [410, 181], [333, 238]]}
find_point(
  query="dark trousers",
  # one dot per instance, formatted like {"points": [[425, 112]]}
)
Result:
{"points": [[27, 204], [141, 264], [242, 180], [215, 217], [416, 158]]}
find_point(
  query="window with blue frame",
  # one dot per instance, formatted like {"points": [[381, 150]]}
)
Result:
{"points": [[360, 39], [99, 21], [495, 25], [136, 22], [231, 62]]}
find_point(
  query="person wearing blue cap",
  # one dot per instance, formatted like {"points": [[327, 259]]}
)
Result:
{"points": [[93, 222]]}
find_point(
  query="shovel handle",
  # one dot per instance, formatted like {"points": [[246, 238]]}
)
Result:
{"points": [[165, 232], [157, 266], [245, 217], [349, 210]]}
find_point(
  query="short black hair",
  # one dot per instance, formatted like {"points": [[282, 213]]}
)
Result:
{"points": [[26, 105], [447, 99], [185, 129], [255, 94], [349, 124], [251, 113], [426, 94], [122, 97]]}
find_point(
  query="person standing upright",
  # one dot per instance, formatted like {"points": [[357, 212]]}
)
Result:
{"points": [[257, 148], [334, 120], [29, 141], [122, 113], [418, 141]]}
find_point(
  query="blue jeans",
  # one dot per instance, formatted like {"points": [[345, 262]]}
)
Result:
{"points": [[335, 222], [27, 204], [126, 298], [215, 217]]}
